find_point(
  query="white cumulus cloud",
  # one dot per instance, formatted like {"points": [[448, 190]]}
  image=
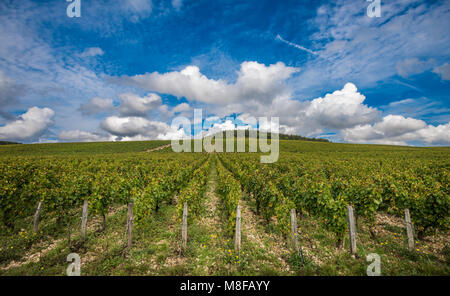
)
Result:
{"points": [[138, 128], [398, 130], [83, 136], [134, 105], [29, 125], [341, 109], [97, 105], [255, 82], [181, 108]]}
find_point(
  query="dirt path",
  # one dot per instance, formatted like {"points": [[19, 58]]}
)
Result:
{"points": [[272, 249], [32, 257], [158, 148], [261, 252], [269, 251], [212, 250]]}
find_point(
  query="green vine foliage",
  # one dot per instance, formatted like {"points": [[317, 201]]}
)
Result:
{"points": [[323, 186], [230, 191]]}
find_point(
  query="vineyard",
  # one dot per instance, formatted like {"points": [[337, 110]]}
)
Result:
{"points": [[130, 209]]}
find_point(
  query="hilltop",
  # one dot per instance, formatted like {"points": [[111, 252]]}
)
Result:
{"points": [[280, 136]]}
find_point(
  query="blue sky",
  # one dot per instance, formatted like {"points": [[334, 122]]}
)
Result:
{"points": [[125, 69]]}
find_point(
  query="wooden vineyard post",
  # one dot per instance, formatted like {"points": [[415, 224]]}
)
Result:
{"points": [[36, 217], [237, 241], [294, 230], [294, 233], [84, 219], [409, 230], [184, 225], [130, 225], [352, 229]]}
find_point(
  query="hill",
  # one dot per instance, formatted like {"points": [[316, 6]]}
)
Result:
{"points": [[8, 143], [282, 136]]}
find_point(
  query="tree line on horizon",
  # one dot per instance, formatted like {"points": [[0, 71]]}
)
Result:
{"points": [[280, 136]]}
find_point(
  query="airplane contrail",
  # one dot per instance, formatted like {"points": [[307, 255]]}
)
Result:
{"points": [[295, 45]]}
